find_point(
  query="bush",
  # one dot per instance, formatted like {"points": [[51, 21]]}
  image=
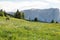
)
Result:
{"points": [[56, 22], [7, 17]]}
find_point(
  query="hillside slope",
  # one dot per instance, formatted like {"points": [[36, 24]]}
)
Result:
{"points": [[18, 29]]}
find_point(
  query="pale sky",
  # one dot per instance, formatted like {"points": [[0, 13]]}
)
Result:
{"points": [[13, 5]]}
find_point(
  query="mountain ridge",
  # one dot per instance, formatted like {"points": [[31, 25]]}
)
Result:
{"points": [[42, 14]]}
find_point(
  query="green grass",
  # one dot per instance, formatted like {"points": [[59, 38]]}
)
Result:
{"points": [[18, 29]]}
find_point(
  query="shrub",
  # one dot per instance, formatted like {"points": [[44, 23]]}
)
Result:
{"points": [[56, 22], [7, 17]]}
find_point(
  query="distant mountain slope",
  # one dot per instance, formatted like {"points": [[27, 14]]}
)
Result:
{"points": [[12, 13], [46, 15]]}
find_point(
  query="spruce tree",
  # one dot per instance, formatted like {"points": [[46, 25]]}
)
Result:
{"points": [[1, 13], [5, 14], [18, 14], [35, 19], [22, 15], [52, 21]]}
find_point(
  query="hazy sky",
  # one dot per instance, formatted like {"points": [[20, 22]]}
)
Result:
{"points": [[13, 5]]}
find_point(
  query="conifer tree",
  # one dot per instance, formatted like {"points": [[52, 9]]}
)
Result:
{"points": [[52, 21], [1, 13], [18, 14], [35, 19]]}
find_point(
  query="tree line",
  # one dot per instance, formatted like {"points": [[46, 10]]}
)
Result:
{"points": [[18, 14]]}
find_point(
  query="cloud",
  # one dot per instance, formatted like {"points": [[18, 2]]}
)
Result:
{"points": [[12, 6], [53, 3], [22, 5]]}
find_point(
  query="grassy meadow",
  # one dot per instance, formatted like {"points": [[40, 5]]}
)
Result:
{"points": [[19, 29]]}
